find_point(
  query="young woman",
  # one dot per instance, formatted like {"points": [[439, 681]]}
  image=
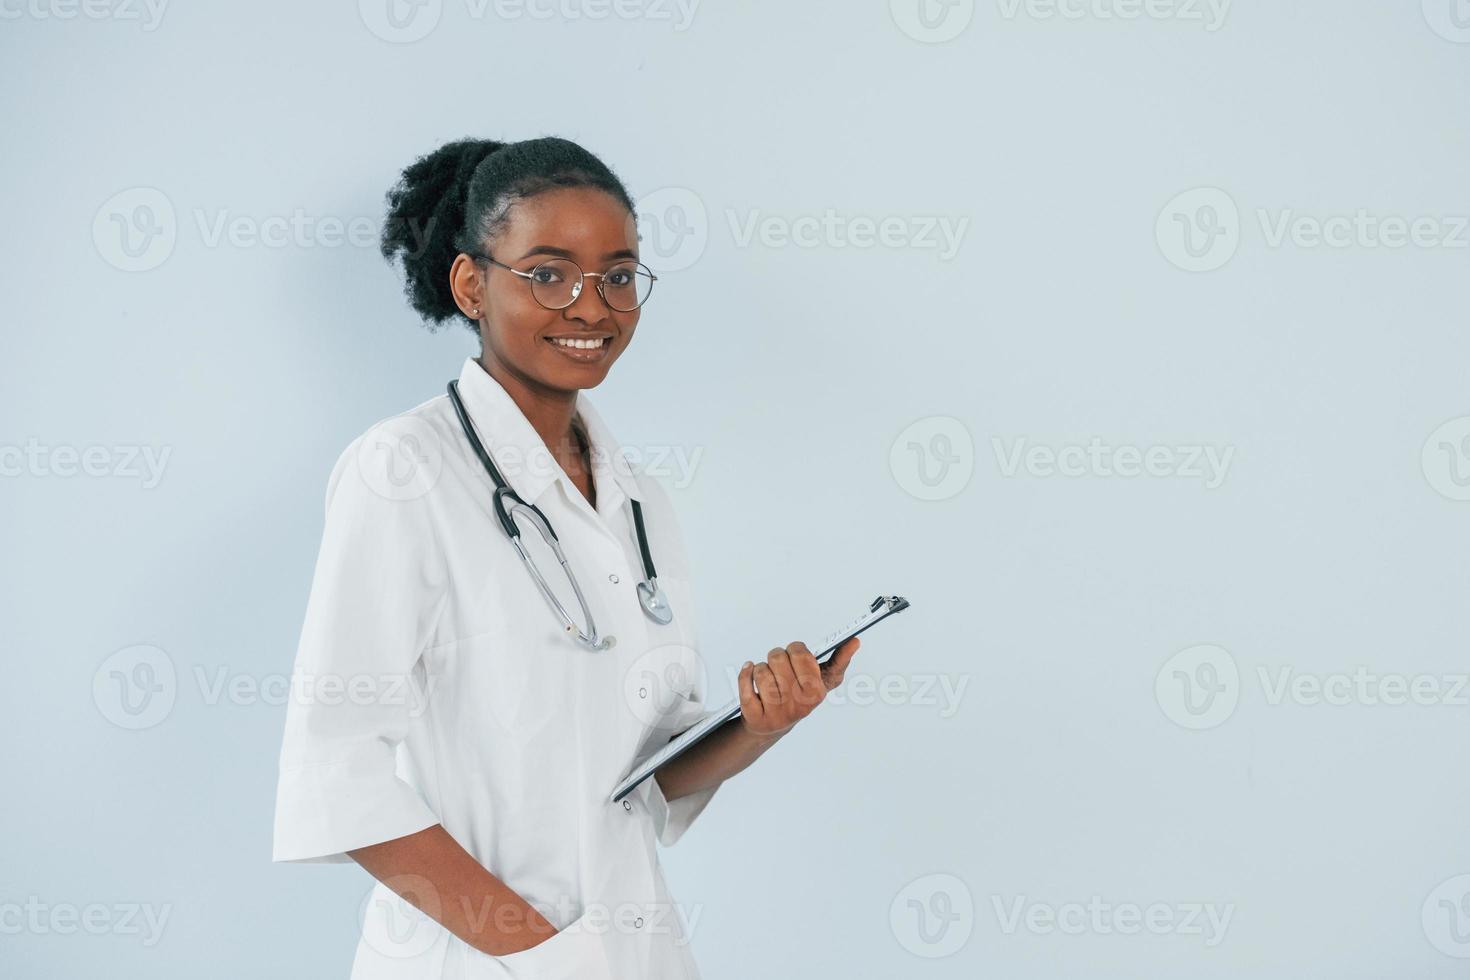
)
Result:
{"points": [[461, 713]]}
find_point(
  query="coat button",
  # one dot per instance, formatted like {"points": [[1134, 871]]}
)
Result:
{"points": [[613, 578], [627, 805]]}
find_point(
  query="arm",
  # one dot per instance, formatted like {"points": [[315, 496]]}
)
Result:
{"points": [[774, 696], [431, 871]]}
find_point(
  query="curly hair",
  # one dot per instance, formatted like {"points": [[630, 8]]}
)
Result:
{"points": [[456, 198]]}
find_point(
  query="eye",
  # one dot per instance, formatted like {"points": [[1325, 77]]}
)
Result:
{"points": [[619, 277], [546, 274]]}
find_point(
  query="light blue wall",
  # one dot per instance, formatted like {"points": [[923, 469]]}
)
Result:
{"points": [[830, 385]]}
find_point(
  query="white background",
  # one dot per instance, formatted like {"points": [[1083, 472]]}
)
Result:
{"points": [[832, 389]]}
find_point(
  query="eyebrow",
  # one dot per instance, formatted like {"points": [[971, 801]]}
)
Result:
{"points": [[622, 253]]}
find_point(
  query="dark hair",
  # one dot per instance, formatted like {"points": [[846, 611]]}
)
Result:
{"points": [[457, 197]]}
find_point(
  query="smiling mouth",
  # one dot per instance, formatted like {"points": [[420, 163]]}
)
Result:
{"points": [[579, 343], [583, 350]]}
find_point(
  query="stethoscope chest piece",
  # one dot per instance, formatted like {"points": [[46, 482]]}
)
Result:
{"points": [[655, 603], [509, 505]]}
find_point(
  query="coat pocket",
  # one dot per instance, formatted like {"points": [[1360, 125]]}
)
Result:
{"points": [[574, 953]]}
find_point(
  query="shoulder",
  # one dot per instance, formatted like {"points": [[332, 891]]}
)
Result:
{"points": [[397, 458]]}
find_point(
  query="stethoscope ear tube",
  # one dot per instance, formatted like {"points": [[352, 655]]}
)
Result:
{"points": [[648, 573], [507, 502]]}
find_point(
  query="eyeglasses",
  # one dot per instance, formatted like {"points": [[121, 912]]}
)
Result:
{"points": [[556, 283]]}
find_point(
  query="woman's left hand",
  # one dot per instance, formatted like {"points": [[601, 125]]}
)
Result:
{"points": [[775, 695]]}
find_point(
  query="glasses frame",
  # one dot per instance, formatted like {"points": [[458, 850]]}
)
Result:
{"points": [[577, 287]]}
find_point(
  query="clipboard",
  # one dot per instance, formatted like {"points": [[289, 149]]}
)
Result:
{"points": [[878, 610]]}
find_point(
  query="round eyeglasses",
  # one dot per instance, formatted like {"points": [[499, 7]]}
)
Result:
{"points": [[556, 283]]}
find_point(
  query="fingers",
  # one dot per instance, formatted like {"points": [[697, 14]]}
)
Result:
{"points": [[834, 669], [807, 674], [779, 661], [750, 702], [767, 684]]}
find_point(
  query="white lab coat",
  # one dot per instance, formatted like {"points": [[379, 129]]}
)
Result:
{"points": [[433, 684]]}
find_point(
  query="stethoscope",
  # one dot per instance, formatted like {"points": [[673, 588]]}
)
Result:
{"points": [[508, 503]]}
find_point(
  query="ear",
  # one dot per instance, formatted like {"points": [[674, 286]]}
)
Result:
{"points": [[467, 282]]}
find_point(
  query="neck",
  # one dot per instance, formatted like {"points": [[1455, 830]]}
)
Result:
{"points": [[550, 412]]}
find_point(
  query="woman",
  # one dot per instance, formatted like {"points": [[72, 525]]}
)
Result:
{"points": [[447, 731]]}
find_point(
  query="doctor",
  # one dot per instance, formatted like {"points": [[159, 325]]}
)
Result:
{"points": [[457, 725]]}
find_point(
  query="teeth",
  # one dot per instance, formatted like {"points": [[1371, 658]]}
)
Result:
{"points": [[578, 343]]}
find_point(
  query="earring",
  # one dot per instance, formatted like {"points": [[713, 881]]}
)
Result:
{"points": [[475, 311]]}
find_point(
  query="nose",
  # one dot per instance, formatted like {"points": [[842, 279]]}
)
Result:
{"points": [[588, 307]]}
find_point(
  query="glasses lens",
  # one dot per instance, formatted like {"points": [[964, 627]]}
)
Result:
{"points": [[626, 286], [553, 283]]}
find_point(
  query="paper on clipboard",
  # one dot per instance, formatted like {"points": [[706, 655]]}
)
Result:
{"points": [[878, 610]]}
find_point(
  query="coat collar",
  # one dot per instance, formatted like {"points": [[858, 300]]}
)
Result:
{"points": [[521, 455]]}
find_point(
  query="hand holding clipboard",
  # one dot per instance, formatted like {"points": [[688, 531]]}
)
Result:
{"points": [[831, 668]]}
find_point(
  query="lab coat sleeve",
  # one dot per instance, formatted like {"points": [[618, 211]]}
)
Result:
{"points": [[671, 818], [376, 593]]}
